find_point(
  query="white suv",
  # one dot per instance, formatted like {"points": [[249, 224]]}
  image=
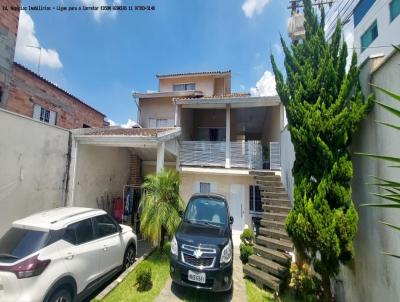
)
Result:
{"points": [[62, 255]]}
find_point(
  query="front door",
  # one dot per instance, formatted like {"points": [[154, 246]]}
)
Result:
{"points": [[236, 208]]}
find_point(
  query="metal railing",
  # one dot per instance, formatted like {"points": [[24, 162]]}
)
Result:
{"points": [[213, 154]]}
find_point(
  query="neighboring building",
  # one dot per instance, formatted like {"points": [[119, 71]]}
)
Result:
{"points": [[374, 25], [27, 93]]}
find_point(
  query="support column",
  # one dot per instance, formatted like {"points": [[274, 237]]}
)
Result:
{"points": [[160, 156], [72, 172], [178, 109], [228, 137]]}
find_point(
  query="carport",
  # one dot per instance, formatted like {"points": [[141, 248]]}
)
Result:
{"points": [[107, 165]]}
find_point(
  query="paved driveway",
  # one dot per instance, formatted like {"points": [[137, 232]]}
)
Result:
{"points": [[175, 293]]}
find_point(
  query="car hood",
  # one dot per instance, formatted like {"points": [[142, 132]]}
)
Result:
{"points": [[196, 234]]}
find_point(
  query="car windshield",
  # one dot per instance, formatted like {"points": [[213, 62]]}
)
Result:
{"points": [[207, 210], [18, 243]]}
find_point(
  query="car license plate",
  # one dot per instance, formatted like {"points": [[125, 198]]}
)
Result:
{"points": [[197, 277]]}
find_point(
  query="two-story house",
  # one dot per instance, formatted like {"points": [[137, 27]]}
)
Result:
{"points": [[213, 137]]}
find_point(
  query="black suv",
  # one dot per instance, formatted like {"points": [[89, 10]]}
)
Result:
{"points": [[202, 250]]}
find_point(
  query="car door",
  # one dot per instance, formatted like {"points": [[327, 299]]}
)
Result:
{"points": [[81, 253], [107, 232]]}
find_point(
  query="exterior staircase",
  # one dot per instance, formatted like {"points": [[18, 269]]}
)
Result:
{"points": [[269, 265]]}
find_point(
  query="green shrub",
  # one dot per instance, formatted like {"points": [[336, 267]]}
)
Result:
{"points": [[304, 283], [166, 248], [143, 276], [247, 237], [245, 252]]}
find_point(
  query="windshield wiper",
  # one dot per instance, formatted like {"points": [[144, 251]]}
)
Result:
{"points": [[5, 255], [208, 224]]}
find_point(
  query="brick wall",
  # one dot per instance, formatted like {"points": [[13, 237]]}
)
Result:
{"points": [[28, 89], [8, 36], [9, 19], [135, 175]]}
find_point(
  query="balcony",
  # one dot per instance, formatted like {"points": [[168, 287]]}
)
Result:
{"points": [[246, 155]]}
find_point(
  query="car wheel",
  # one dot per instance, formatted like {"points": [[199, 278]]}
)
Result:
{"points": [[61, 295], [129, 257]]}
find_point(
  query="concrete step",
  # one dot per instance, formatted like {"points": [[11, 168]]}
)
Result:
{"points": [[275, 189], [276, 202], [268, 266], [277, 256], [274, 216], [275, 195], [262, 173], [268, 178], [261, 278], [281, 245], [268, 183], [276, 209], [276, 225], [277, 234]]}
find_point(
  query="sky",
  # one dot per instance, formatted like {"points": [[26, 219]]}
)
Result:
{"points": [[102, 58]]}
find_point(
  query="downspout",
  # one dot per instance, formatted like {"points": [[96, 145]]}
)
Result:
{"points": [[67, 168]]}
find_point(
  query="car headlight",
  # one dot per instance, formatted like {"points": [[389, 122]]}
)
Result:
{"points": [[226, 255], [174, 247]]}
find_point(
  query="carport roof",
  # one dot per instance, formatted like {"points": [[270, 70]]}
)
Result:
{"points": [[126, 137], [147, 132]]}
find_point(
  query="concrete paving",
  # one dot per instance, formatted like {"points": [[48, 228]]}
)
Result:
{"points": [[175, 293]]}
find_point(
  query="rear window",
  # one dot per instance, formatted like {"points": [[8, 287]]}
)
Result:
{"points": [[18, 243], [207, 209]]}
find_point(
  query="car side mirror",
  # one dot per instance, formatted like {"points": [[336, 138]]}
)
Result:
{"points": [[119, 229], [230, 219]]}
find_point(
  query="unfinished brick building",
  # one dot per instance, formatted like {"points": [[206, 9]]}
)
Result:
{"points": [[27, 93]]}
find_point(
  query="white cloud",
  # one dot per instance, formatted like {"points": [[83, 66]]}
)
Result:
{"points": [[97, 14], [265, 85], [27, 37], [129, 124], [252, 7], [112, 123]]}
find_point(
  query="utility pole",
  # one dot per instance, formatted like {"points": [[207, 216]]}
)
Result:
{"points": [[40, 55], [296, 4]]}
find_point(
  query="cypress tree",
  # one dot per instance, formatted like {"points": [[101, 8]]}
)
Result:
{"points": [[324, 106]]}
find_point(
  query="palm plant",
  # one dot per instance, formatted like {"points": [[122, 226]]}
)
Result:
{"points": [[160, 206], [391, 188]]}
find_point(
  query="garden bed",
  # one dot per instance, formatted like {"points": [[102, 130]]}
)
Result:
{"points": [[127, 289]]}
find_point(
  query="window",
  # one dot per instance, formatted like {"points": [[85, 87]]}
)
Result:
{"points": [[160, 123], [86, 126], [42, 114], [255, 199], [79, 232], [394, 7], [104, 226], [361, 10], [205, 187], [369, 36], [18, 243], [183, 87], [1, 94]]}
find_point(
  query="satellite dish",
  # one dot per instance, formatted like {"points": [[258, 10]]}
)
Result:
{"points": [[296, 29]]}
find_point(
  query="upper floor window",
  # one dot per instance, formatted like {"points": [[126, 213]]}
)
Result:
{"points": [[205, 187], [369, 36], [183, 87], [361, 10], [394, 7], [86, 126], [42, 114]]}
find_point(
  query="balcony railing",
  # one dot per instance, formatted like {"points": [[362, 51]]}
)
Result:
{"points": [[246, 155]]}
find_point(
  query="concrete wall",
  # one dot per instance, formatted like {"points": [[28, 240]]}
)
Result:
{"points": [[272, 124], [220, 184], [287, 161], [33, 161], [373, 276], [187, 121], [157, 108], [100, 170]]}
